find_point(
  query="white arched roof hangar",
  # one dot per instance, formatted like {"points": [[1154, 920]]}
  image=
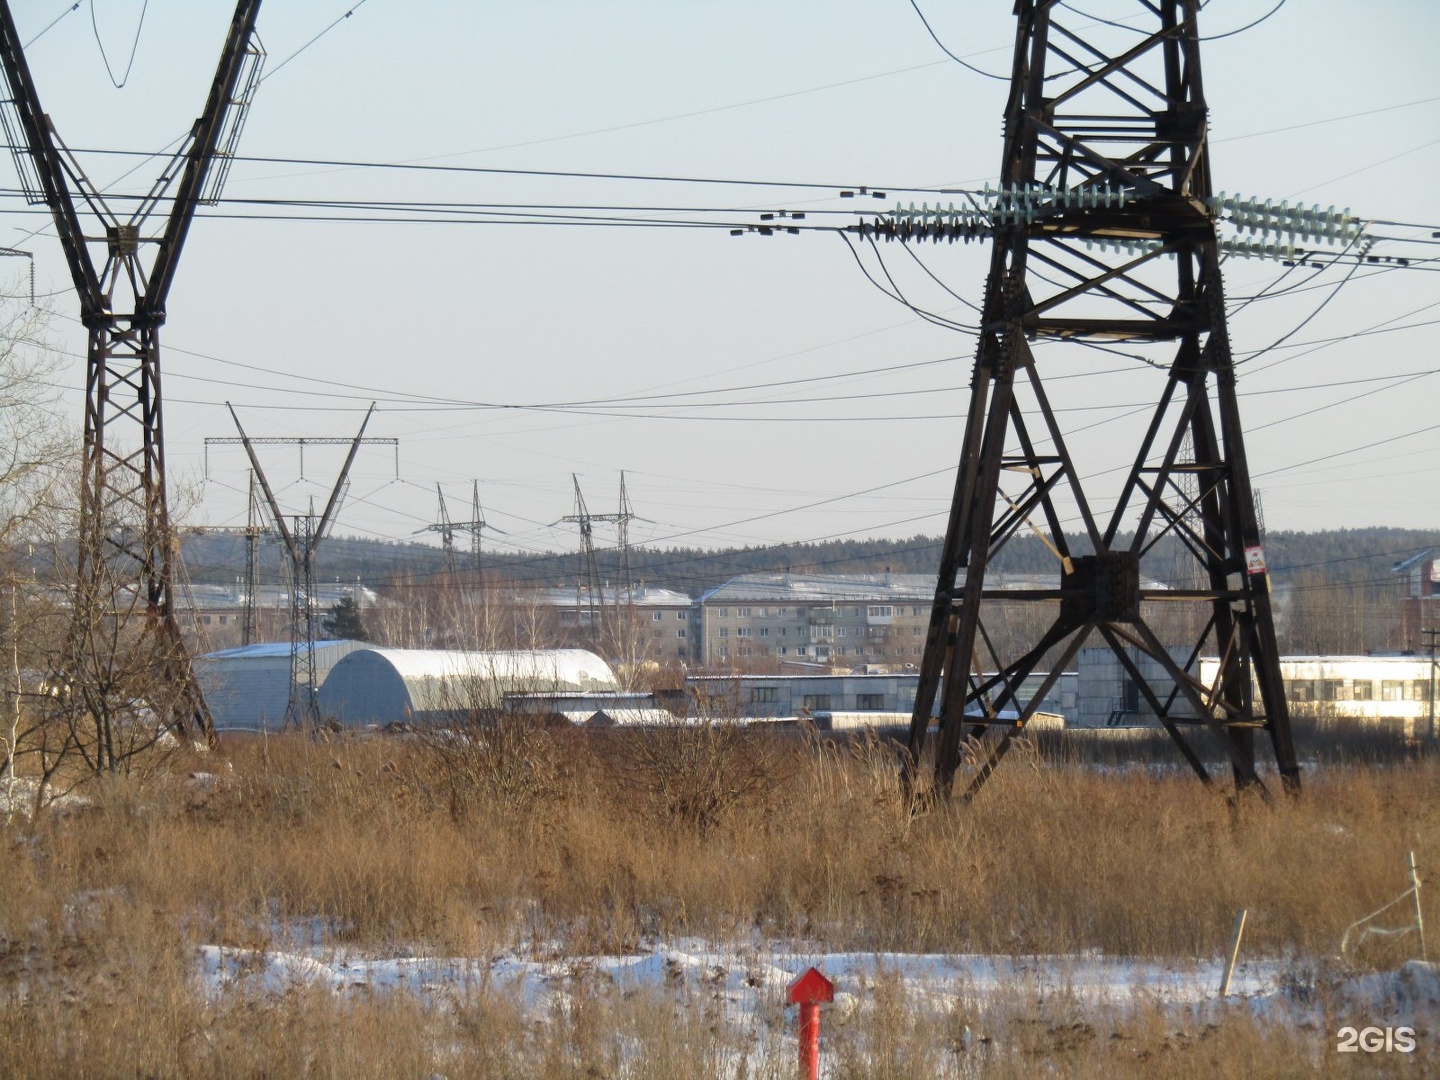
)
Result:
{"points": [[383, 686]]}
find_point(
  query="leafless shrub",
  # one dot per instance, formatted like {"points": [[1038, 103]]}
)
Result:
{"points": [[699, 775]]}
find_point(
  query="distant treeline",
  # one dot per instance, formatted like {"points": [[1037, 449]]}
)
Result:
{"points": [[1361, 557]]}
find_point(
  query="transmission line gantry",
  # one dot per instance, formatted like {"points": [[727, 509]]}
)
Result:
{"points": [[122, 273], [302, 535], [1104, 236]]}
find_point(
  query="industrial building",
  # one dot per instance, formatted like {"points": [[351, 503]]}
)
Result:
{"points": [[384, 686], [247, 689], [1394, 687], [836, 700]]}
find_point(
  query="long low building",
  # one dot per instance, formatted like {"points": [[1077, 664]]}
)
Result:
{"points": [[384, 686]]}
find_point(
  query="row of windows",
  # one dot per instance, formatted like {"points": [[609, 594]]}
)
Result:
{"points": [[680, 616], [1357, 690], [874, 611], [821, 652], [770, 695]]}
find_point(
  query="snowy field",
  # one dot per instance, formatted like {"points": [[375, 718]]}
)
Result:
{"points": [[981, 995]]}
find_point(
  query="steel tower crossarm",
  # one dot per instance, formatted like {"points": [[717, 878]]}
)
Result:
{"points": [[1105, 147]]}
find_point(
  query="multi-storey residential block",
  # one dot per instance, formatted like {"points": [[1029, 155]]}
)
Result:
{"points": [[815, 621]]}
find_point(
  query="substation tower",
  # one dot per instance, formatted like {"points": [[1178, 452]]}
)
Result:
{"points": [[123, 267], [1104, 237]]}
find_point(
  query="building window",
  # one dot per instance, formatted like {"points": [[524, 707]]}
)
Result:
{"points": [[723, 613], [724, 631], [841, 632], [680, 633], [764, 631], [764, 612], [1332, 690], [780, 612], [1300, 690], [205, 619], [742, 613], [724, 653], [823, 631], [914, 612], [1363, 690], [880, 611], [869, 702], [764, 695], [1419, 690], [817, 702], [1392, 690], [800, 650], [224, 619], [783, 631], [916, 631], [656, 616], [783, 650], [844, 650], [742, 631], [744, 650], [682, 616]]}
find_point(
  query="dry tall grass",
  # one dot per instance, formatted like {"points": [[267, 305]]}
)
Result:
{"points": [[575, 845]]}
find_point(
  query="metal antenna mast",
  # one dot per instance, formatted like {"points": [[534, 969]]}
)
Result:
{"points": [[1104, 232], [301, 538], [124, 542]]}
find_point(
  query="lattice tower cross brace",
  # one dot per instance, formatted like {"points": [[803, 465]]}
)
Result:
{"points": [[1105, 140], [124, 541]]}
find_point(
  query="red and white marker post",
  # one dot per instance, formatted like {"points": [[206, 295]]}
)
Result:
{"points": [[809, 991]]}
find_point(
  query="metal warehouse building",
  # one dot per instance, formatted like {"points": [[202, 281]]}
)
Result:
{"points": [[383, 686], [248, 688]]}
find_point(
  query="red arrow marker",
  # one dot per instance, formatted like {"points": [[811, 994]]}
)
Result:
{"points": [[809, 991]]}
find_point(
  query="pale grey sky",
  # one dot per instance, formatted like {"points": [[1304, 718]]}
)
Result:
{"points": [[302, 323]]}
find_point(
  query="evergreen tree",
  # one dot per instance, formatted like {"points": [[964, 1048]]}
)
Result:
{"points": [[344, 622]]}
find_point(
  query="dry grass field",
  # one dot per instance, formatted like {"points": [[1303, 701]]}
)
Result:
{"points": [[578, 844]]}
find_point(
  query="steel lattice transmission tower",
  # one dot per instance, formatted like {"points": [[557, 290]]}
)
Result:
{"points": [[607, 631], [301, 537], [447, 529], [124, 542], [1103, 234]]}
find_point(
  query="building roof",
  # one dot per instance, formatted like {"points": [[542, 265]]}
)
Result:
{"points": [[378, 686], [1406, 565], [821, 588], [270, 649], [209, 597], [640, 596]]}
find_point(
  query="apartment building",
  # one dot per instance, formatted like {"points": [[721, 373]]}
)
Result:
{"points": [[814, 621]]}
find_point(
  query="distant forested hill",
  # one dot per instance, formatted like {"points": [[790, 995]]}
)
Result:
{"points": [[1344, 556]]}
